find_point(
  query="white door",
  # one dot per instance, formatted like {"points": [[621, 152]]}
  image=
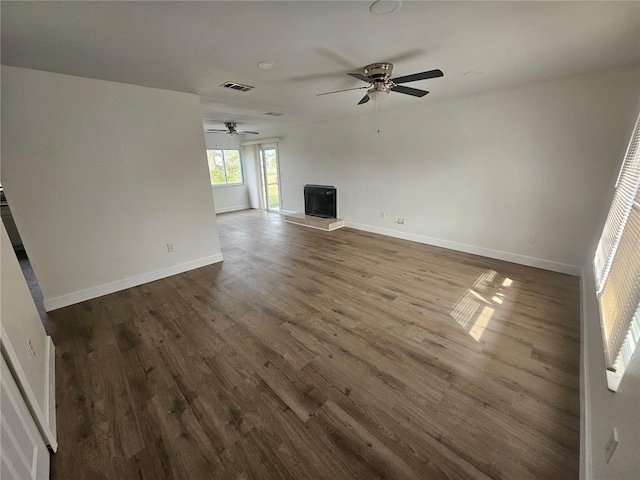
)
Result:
{"points": [[270, 178], [24, 454]]}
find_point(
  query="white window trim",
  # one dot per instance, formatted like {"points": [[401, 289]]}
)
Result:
{"points": [[628, 348], [630, 343], [224, 185]]}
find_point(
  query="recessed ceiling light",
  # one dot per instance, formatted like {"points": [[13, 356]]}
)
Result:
{"points": [[268, 65], [473, 72], [385, 7]]}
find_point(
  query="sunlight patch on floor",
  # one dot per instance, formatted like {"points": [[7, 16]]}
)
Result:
{"points": [[473, 311], [481, 323]]}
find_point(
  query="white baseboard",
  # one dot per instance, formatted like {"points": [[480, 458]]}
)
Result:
{"points": [[462, 247], [93, 292], [286, 212], [232, 209]]}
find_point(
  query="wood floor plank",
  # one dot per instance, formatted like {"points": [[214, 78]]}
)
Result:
{"points": [[322, 355], [423, 453]]}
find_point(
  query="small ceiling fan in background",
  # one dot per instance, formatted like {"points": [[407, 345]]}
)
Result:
{"points": [[378, 76], [231, 129]]}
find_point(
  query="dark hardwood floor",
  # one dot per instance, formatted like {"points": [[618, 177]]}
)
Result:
{"points": [[322, 355]]}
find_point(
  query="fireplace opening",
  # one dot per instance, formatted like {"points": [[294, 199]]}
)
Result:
{"points": [[321, 201]]}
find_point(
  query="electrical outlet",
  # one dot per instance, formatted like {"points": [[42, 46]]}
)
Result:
{"points": [[31, 349], [170, 248], [533, 239], [612, 443], [400, 221], [383, 215]]}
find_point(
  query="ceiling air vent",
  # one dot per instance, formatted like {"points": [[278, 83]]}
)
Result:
{"points": [[273, 114], [237, 86]]}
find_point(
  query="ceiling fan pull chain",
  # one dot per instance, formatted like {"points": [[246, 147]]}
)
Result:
{"points": [[376, 117]]}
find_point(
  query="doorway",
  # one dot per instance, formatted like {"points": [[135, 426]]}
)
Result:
{"points": [[270, 177]]}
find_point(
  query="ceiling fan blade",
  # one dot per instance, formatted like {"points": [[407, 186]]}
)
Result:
{"points": [[409, 91], [242, 132], [418, 76], [365, 99], [216, 130], [359, 76], [338, 91]]}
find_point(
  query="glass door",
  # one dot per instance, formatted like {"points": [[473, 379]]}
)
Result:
{"points": [[270, 177]]}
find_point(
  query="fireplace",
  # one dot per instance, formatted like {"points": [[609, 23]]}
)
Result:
{"points": [[321, 201]]}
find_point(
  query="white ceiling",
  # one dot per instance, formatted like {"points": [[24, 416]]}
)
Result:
{"points": [[196, 46]]}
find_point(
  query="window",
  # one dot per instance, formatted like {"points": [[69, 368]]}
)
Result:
{"points": [[225, 167], [617, 268]]}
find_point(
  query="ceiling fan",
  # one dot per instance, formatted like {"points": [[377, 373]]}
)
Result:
{"points": [[231, 130], [378, 76]]}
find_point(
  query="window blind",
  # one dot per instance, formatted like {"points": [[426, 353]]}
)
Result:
{"points": [[617, 263]]}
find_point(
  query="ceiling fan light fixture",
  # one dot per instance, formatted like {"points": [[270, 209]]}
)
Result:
{"points": [[378, 92], [267, 65], [377, 95]]}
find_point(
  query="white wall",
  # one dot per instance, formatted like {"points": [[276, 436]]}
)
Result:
{"points": [[232, 197], [21, 325], [250, 158], [100, 177], [482, 172]]}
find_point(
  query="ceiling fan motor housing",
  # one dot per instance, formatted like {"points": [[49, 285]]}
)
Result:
{"points": [[379, 72]]}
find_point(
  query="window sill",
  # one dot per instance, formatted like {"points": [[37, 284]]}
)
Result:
{"points": [[223, 185]]}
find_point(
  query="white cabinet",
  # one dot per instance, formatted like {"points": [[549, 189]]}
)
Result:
{"points": [[23, 452]]}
